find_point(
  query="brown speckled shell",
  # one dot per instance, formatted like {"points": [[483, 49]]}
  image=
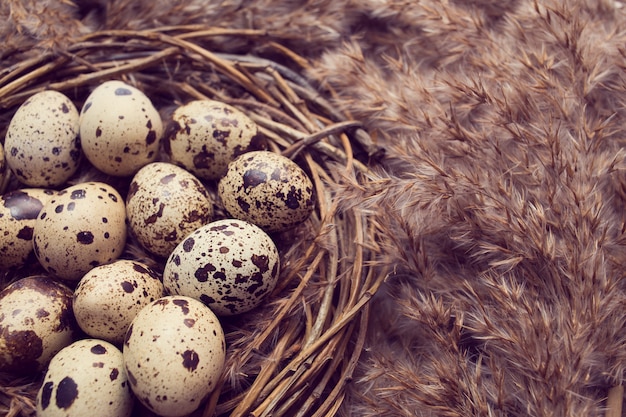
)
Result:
{"points": [[164, 204], [174, 354], [230, 265], [42, 144], [267, 189], [81, 227], [19, 210], [208, 135], [120, 129], [108, 297], [86, 378], [36, 321]]}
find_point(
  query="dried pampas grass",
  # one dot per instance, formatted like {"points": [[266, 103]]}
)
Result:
{"points": [[503, 200]]}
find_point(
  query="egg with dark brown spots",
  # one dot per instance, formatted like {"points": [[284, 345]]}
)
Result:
{"points": [[42, 144], [230, 265], [120, 129], [80, 228], [267, 189], [164, 204], [174, 354], [86, 379], [19, 210], [36, 322], [109, 296], [207, 135]]}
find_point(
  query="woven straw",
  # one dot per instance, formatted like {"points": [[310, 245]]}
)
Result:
{"points": [[294, 355]]}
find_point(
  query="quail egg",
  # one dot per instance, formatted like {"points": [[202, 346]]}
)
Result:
{"points": [[267, 189], [164, 204], [207, 135], [42, 145], [230, 265], [19, 210], [81, 227], [174, 354], [120, 129], [36, 322], [108, 297], [86, 379]]}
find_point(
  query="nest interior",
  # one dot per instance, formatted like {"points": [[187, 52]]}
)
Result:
{"points": [[473, 268]]}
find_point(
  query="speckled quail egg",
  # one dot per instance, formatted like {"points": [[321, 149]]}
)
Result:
{"points": [[164, 204], [207, 135], [81, 227], [120, 128], [19, 210], [108, 297], [230, 265], [174, 354], [36, 322], [86, 379], [41, 144], [267, 189]]}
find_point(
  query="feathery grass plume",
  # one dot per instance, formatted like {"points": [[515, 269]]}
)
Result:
{"points": [[48, 24], [503, 201]]}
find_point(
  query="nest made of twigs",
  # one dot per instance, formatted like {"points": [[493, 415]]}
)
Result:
{"points": [[295, 354]]}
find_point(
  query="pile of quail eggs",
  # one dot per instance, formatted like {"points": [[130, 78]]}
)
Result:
{"points": [[106, 331]]}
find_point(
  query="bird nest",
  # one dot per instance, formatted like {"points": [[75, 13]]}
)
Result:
{"points": [[295, 354]]}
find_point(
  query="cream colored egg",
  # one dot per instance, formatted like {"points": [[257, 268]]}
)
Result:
{"points": [[120, 129], [208, 135], [267, 189], [42, 147], [82, 227], [174, 354], [164, 204], [19, 210], [36, 322], [86, 379], [108, 297], [230, 265]]}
